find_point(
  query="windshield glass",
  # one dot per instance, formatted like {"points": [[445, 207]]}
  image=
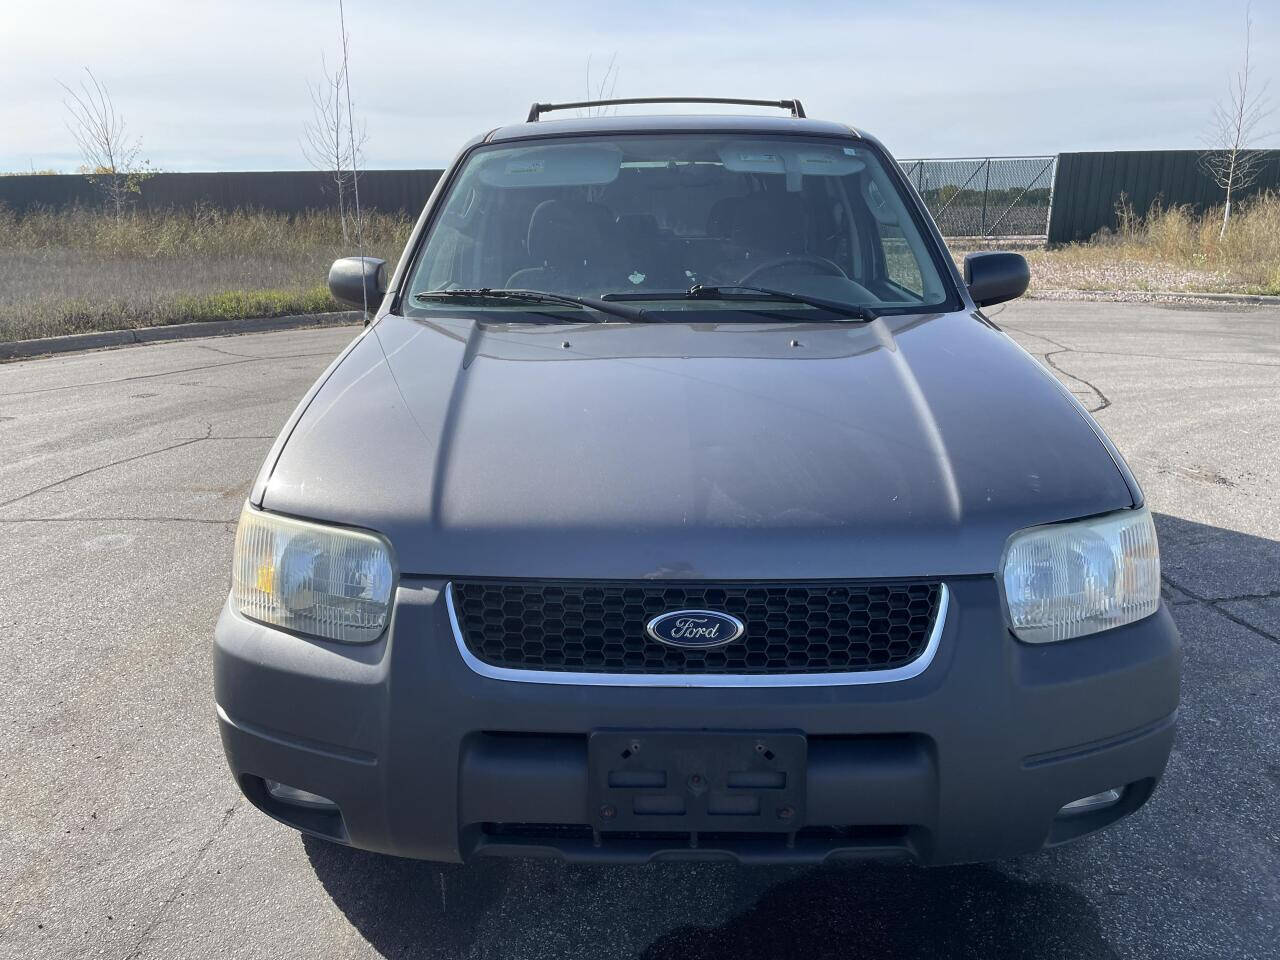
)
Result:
{"points": [[650, 217]]}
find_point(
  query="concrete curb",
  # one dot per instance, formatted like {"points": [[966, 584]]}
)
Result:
{"points": [[1156, 296], [19, 349], [1258, 299]]}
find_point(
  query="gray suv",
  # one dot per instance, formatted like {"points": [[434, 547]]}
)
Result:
{"points": [[679, 500]]}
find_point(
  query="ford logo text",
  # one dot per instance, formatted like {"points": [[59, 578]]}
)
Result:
{"points": [[695, 629]]}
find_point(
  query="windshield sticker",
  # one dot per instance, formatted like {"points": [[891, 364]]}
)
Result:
{"points": [[525, 166], [636, 277]]}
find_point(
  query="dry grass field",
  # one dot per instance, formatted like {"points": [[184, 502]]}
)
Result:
{"points": [[79, 270], [1171, 249]]}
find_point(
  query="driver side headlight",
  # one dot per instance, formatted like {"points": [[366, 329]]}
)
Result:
{"points": [[1071, 579], [310, 578]]}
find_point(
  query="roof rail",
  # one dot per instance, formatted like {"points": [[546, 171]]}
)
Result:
{"points": [[795, 106]]}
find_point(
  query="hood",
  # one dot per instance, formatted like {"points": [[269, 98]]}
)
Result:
{"points": [[908, 446]]}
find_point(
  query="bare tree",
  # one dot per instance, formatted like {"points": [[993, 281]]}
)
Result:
{"points": [[601, 89], [109, 152], [356, 148], [330, 141], [1231, 161]]}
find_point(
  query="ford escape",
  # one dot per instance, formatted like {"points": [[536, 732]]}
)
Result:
{"points": [[679, 500]]}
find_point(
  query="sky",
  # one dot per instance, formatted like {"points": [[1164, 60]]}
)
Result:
{"points": [[224, 85]]}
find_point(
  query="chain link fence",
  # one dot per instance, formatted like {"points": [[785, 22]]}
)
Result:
{"points": [[982, 198]]}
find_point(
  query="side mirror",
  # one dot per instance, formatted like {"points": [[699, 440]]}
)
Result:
{"points": [[358, 281], [996, 277]]}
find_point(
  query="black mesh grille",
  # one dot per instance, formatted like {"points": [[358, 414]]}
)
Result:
{"points": [[599, 627]]}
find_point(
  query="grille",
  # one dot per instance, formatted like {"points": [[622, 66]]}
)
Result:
{"points": [[596, 627]]}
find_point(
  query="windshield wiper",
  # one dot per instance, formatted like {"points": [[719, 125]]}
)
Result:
{"points": [[700, 291], [538, 296]]}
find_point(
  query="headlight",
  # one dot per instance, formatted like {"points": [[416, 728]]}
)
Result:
{"points": [[1071, 579], [309, 578]]}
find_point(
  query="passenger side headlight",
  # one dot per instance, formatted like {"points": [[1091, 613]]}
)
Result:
{"points": [[310, 578], [1072, 579]]}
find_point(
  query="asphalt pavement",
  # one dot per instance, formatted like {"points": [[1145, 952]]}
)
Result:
{"points": [[122, 835]]}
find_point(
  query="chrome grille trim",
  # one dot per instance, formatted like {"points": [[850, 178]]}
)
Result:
{"points": [[905, 672]]}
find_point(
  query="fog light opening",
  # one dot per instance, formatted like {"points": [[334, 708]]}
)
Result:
{"points": [[297, 797], [1097, 801]]}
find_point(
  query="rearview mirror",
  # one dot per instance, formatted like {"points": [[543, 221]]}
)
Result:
{"points": [[996, 277], [359, 281]]}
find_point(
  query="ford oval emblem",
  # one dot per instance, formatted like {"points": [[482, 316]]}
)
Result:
{"points": [[695, 629]]}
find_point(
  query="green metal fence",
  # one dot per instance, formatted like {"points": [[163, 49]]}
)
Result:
{"points": [[1090, 186], [286, 191]]}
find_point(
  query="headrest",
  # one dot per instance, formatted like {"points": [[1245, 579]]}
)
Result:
{"points": [[720, 219], [771, 223], [567, 232], [638, 226]]}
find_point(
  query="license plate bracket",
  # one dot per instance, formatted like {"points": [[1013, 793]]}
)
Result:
{"points": [[709, 781]]}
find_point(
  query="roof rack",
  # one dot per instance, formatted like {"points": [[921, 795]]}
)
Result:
{"points": [[795, 106]]}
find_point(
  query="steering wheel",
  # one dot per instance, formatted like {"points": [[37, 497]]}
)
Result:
{"points": [[825, 267]]}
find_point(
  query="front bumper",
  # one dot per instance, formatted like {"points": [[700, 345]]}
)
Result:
{"points": [[970, 760]]}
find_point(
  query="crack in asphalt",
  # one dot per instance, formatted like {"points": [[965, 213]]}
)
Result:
{"points": [[1215, 604], [209, 520], [1063, 348], [1165, 356], [1272, 595], [1145, 356], [185, 442], [208, 437], [184, 879], [140, 376], [167, 373], [105, 466], [229, 353]]}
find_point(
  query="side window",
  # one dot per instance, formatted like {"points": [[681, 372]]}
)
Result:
{"points": [[437, 272], [446, 266], [901, 261], [900, 264]]}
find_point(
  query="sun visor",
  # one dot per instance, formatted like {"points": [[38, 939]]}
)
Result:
{"points": [[794, 161], [559, 166]]}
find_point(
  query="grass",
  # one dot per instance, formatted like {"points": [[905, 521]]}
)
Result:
{"points": [[78, 270], [1171, 249]]}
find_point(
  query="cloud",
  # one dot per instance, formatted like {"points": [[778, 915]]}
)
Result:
{"points": [[223, 85]]}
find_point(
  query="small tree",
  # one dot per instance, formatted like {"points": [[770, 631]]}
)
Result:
{"points": [[1231, 161], [109, 153], [329, 142], [601, 89]]}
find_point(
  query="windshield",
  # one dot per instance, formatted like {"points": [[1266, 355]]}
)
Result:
{"points": [[651, 218]]}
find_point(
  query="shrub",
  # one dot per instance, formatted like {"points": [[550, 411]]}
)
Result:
{"points": [[1172, 248]]}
